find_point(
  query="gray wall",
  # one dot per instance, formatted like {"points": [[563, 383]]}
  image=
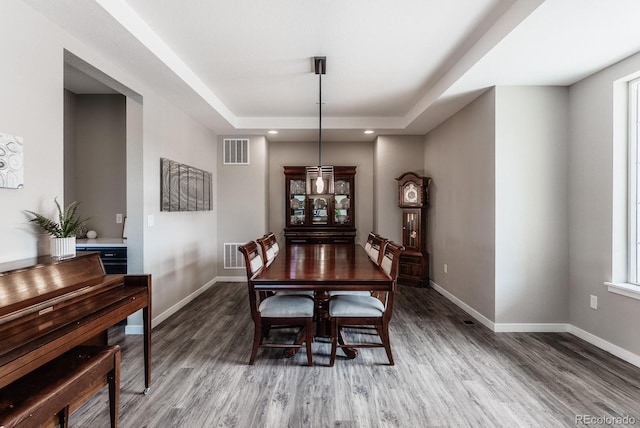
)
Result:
{"points": [[499, 212], [460, 158], [531, 223], [242, 199], [393, 156], [179, 249], [597, 205], [359, 154], [98, 174], [70, 146]]}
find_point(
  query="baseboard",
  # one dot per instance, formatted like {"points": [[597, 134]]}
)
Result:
{"points": [[531, 328], [462, 305], [182, 303], [613, 349], [231, 278], [616, 350], [138, 329]]}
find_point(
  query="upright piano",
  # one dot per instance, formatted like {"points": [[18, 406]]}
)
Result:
{"points": [[49, 306]]}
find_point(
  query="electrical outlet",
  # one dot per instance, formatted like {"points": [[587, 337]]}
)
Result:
{"points": [[594, 302], [445, 268], [119, 218]]}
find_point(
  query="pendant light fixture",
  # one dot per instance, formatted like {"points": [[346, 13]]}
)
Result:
{"points": [[320, 179]]}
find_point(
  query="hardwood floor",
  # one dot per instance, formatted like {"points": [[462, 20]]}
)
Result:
{"points": [[447, 373]]}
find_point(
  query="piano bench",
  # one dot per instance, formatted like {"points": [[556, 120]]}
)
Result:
{"points": [[47, 395]]}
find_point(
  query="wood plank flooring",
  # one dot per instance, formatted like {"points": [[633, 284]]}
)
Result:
{"points": [[447, 373]]}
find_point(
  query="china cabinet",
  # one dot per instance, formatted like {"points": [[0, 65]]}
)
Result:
{"points": [[413, 198], [320, 218]]}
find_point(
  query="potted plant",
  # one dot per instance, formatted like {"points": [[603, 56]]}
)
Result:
{"points": [[63, 232]]}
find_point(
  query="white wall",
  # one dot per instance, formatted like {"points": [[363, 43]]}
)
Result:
{"points": [[460, 158], [180, 249], [598, 132], [532, 254], [31, 107]]}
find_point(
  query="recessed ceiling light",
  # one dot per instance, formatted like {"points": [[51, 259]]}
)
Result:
{"points": [[369, 131], [273, 132]]}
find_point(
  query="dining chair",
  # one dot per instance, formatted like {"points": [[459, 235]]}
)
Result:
{"points": [[275, 248], [355, 310], [369, 243], [378, 244], [269, 252], [373, 244], [270, 249], [275, 310]]}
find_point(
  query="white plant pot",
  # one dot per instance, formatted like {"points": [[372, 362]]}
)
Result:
{"points": [[63, 247]]}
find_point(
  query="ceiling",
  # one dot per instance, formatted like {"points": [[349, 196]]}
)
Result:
{"points": [[396, 67]]}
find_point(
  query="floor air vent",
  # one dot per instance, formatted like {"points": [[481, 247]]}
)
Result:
{"points": [[468, 322], [233, 259]]}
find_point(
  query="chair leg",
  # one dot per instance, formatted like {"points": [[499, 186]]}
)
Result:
{"points": [[334, 340], [386, 342], [114, 391], [309, 339], [63, 417], [257, 339]]}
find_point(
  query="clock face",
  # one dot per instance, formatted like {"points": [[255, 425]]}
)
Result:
{"points": [[410, 193]]}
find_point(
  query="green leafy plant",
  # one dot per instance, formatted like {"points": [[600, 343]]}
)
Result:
{"points": [[68, 223]]}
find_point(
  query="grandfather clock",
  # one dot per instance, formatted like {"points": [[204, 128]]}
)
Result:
{"points": [[413, 198]]}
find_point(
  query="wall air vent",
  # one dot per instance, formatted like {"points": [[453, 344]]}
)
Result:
{"points": [[233, 259], [236, 151]]}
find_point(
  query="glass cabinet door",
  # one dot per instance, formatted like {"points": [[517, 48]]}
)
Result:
{"points": [[342, 202], [297, 202], [320, 207], [411, 229]]}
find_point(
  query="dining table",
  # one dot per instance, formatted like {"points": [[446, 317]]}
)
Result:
{"points": [[323, 268]]}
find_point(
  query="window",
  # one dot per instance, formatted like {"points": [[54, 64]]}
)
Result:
{"points": [[628, 283], [634, 240]]}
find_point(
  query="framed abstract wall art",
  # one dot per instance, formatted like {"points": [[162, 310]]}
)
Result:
{"points": [[184, 188]]}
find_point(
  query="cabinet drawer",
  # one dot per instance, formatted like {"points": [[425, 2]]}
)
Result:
{"points": [[106, 253], [408, 269], [410, 259]]}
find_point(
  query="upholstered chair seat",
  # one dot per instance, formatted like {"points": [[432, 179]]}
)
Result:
{"points": [[355, 306], [270, 311], [288, 306], [350, 310]]}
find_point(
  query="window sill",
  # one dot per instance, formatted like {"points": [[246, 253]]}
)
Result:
{"points": [[625, 289]]}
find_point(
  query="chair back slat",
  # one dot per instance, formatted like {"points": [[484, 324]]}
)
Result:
{"points": [[369, 243], [269, 247], [252, 259], [378, 244], [391, 259]]}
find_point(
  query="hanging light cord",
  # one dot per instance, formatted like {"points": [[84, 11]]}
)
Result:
{"points": [[320, 121]]}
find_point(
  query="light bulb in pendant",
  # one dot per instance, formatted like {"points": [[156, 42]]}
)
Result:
{"points": [[320, 184]]}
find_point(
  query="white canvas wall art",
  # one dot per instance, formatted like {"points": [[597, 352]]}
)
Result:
{"points": [[11, 161]]}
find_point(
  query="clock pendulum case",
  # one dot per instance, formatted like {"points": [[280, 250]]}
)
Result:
{"points": [[413, 198]]}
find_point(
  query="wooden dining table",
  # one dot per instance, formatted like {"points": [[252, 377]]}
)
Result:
{"points": [[322, 268]]}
